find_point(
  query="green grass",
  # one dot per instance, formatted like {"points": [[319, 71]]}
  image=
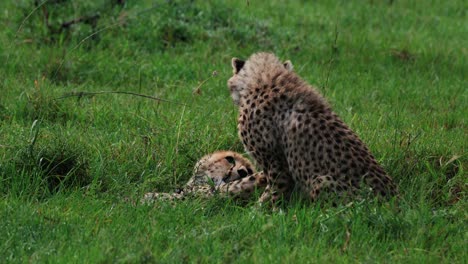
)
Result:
{"points": [[395, 71]]}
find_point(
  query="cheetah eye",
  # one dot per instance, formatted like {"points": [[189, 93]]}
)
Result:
{"points": [[242, 173], [249, 171], [231, 160]]}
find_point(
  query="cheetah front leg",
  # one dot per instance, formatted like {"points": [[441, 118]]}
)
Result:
{"points": [[280, 185], [243, 188]]}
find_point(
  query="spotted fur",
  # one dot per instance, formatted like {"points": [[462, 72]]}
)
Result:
{"points": [[295, 137], [225, 173]]}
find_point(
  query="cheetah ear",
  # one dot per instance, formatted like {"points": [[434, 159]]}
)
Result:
{"points": [[237, 65], [288, 65]]}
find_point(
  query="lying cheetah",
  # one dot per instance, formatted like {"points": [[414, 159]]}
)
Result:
{"points": [[296, 138], [225, 172]]}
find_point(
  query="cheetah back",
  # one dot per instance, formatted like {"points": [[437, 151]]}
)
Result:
{"points": [[293, 134]]}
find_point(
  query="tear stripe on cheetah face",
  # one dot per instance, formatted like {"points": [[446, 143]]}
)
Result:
{"points": [[225, 172], [295, 137]]}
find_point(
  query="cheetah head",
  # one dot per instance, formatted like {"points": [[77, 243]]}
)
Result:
{"points": [[224, 167], [245, 71]]}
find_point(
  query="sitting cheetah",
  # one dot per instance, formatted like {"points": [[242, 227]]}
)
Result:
{"points": [[295, 137], [224, 172]]}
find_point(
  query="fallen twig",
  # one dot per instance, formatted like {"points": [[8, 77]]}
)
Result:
{"points": [[82, 94], [198, 89]]}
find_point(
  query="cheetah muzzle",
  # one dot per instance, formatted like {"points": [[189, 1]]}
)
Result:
{"points": [[224, 173]]}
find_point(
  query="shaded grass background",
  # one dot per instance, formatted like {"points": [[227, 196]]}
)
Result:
{"points": [[393, 70]]}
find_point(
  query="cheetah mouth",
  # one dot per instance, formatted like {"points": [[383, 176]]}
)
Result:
{"points": [[215, 181], [225, 179], [228, 176], [218, 182]]}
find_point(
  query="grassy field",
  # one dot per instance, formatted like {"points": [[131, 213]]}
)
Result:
{"points": [[72, 168]]}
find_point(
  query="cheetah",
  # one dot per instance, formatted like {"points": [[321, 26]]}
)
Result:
{"points": [[294, 136], [224, 172]]}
